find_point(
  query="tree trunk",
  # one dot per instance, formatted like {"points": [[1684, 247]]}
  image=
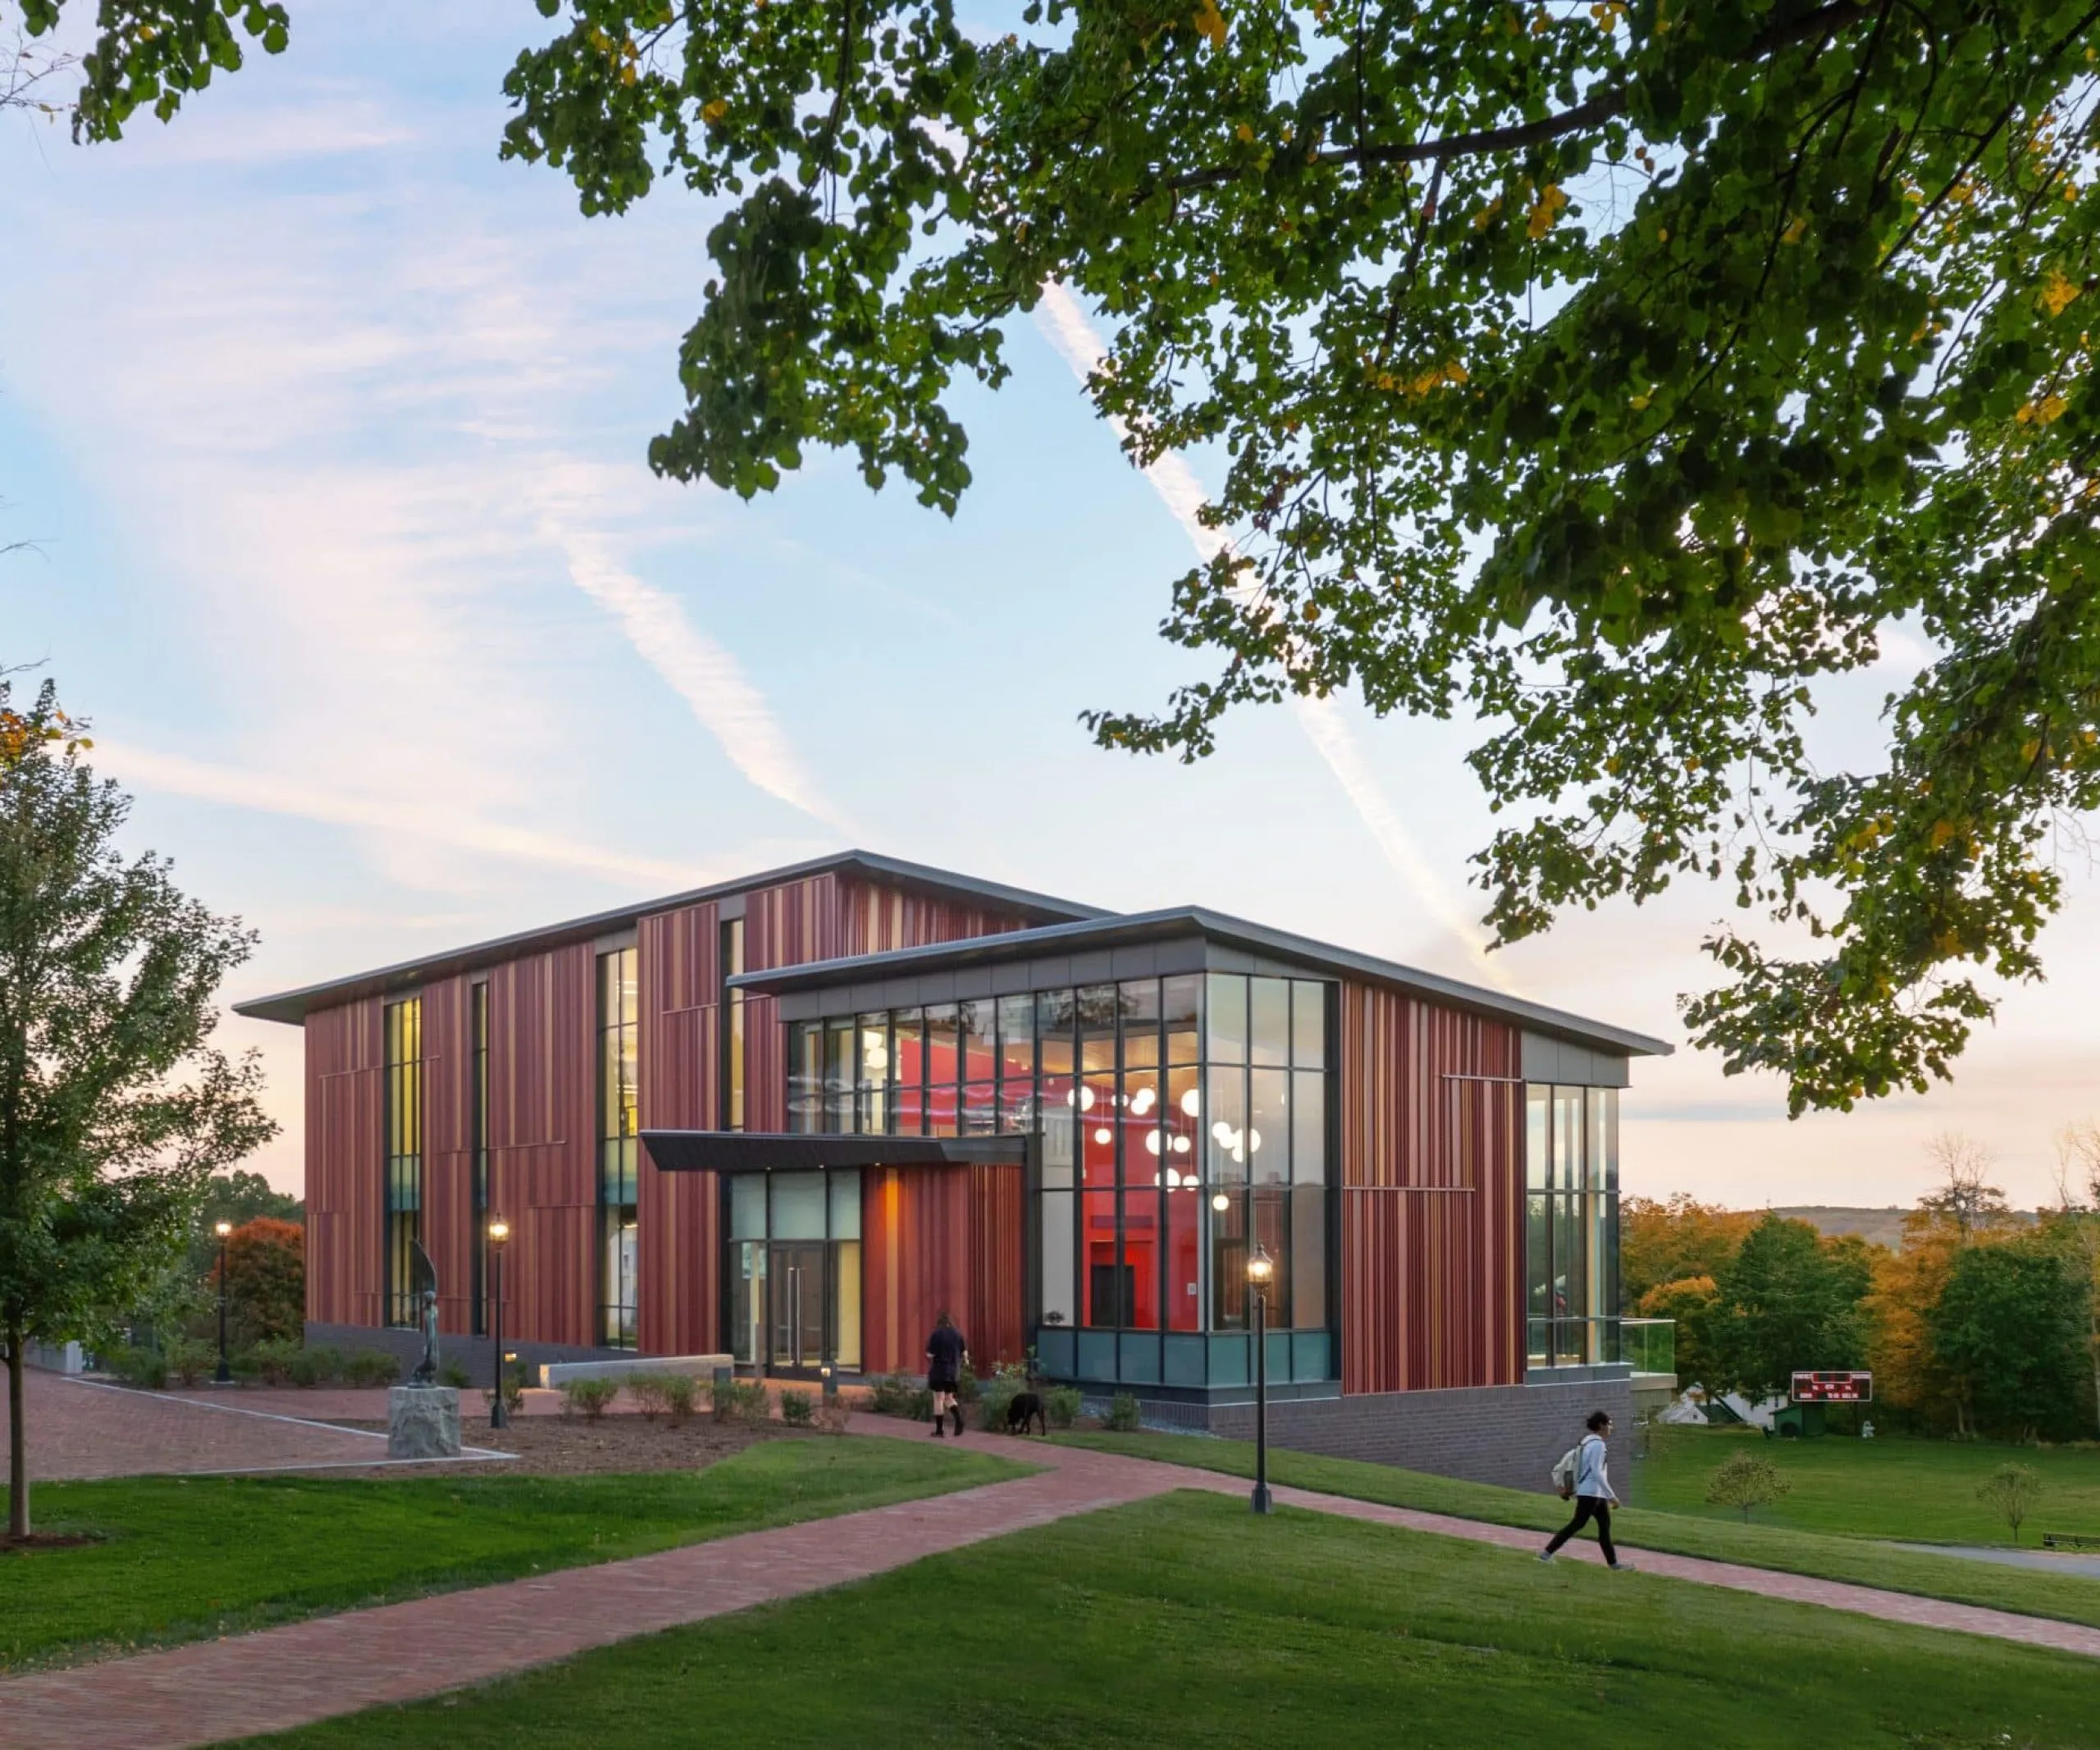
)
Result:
{"points": [[18, 1456]]}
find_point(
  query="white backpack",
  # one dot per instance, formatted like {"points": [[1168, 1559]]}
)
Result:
{"points": [[1563, 1472]]}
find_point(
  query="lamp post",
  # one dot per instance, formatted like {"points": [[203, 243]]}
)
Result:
{"points": [[223, 1376], [499, 1235], [1261, 1270]]}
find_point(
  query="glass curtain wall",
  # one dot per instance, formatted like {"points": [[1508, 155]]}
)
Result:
{"points": [[481, 1147], [619, 1146], [1177, 1116], [404, 1154], [1571, 1227], [782, 1227]]}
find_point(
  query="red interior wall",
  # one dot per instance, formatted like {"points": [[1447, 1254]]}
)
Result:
{"points": [[1433, 1238]]}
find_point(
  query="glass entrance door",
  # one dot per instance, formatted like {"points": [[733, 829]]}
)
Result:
{"points": [[796, 1282]]}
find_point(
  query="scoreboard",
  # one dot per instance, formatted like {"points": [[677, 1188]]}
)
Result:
{"points": [[1833, 1388]]}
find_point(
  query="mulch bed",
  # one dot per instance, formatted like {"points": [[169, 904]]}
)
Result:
{"points": [[560, 1446]]}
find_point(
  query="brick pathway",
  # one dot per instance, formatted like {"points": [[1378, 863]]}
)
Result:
{"points": [[281, 1677]]}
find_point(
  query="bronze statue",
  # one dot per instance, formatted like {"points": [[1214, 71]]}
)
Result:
{"points": [[422, 1291]]}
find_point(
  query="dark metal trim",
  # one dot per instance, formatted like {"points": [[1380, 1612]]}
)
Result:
{"points": [[744, 1151]]}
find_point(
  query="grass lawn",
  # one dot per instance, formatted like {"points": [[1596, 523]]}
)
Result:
{"points": [[1921, 1491], [1185, 1620], [187, 1559], [1865, 1561]]}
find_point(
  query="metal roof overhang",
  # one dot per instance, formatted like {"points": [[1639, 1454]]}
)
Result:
{"points": [[746, 1151]]}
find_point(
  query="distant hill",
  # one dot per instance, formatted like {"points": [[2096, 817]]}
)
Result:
{"points": [[1877, 1227]]}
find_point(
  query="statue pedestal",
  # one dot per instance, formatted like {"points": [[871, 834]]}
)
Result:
{"points": [[422, 1421]]}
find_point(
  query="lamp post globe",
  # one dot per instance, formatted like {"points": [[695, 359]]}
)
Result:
{"points": [[1261, 1271], [499, 1235], [224, 1230]]}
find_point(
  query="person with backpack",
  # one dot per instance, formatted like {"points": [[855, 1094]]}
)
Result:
{"points": [[1581, 1473], [948, 1353]]}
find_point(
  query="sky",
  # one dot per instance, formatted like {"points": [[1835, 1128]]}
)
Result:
{"points": [[330, 430]]}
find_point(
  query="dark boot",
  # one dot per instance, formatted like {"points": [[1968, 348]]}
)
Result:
{"points": [[957, 1414], [938, 1430]]}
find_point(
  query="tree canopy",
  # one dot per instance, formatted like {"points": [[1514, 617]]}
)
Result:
{"points": [[1618, 373]]}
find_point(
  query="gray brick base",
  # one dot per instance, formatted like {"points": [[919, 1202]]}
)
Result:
{"points": [[1505, 1434], [476, 1354]]}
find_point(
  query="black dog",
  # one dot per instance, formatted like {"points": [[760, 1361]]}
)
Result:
{"points": [[1026, 1407]]}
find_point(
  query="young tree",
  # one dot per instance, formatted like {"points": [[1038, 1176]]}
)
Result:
{"points": [[266, 1279], [1789, 1299], [1745, 1481], [114, 1107], [2009, 1328], [1617, 374], [1965, 1196], [2013, 1490]]}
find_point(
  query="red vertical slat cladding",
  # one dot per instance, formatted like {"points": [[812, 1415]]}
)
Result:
{"points": [[941, 1239], [1432, 1207], [542, 1136], [447, 1211], [346, 1166], [676, 961]]}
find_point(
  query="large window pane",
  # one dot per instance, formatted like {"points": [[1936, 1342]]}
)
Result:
{"points": [[1228, 1256], [1571, 1287], [1269, 1020], [874, 1074], [1308, 1256], [1309, 1025], [1603, 1139], [1225, 1027], [1567, 1174], [943, 1059], [1059, 1306], [1308, 1127], [1139, 1111], [1181, 1004], [805, 1076], [1016, 1040], [798, 1206], [1098, 1114], [1138, 1009], [847, 1353], [1268, 1128], [1054, 1013], [980, 1108], [1538, 1137], [979, 1043], [1107, 1288], [839, 1075], [1141, 1258], [1270, 1226], [1538, 1257], [1059, 1102], [747, 1206], [845, 1196], [1185, 1308], [1224, 1143], [1097, 1018], [1184, 1111]]}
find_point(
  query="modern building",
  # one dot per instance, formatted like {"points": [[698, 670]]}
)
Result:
{"points": [[793, 1117]]}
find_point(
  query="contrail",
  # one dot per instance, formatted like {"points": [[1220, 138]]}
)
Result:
{"points": [[176, 774], [1066, 325], [705, 675]]}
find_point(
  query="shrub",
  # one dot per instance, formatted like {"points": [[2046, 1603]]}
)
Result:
{"points": [[797, 1409], [372, 1366], [681, 1392], [992, 1405], [275, 1359], [453, 1374], [893, 1396], [1061, 1406], [920, 1408], [189, 1359], [2011, 1489], [317, 1367], [1748, 1480], [967, 1390], [514, 1389], [144, 1368], [740, 1400], [1123, 1417], [589, 1398], [832, 1414], [647, 1392]]}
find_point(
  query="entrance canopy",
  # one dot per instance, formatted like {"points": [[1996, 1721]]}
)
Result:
{"points": [[744, 1151]]}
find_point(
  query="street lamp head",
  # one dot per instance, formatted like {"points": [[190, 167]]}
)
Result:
{"points": [[498, 1231], [1261, 1267], [222, 1228]]}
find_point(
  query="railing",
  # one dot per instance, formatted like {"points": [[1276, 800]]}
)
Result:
{"points": [[1650, 1344]]}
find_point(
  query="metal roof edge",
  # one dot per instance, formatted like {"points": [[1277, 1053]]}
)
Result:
{"points": [[291, 1006], [1217, 926]]}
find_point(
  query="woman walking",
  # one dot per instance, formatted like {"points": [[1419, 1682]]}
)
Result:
{"points": [[1591, 1488], [948, 1353]]}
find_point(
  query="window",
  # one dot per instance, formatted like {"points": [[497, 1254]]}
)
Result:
{"points": [[1571, 1225], [732, 1012], [792, 1264], [479, 1096], [620, 1013], [404, 1154]]}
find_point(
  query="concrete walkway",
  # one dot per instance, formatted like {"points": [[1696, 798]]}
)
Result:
{"points": [[281, 1677]]}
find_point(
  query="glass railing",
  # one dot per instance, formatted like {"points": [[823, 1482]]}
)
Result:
{"points": [[1650, 1344]]}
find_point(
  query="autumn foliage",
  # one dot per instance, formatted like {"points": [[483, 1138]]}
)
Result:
{"points": [[266, 1279]]}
